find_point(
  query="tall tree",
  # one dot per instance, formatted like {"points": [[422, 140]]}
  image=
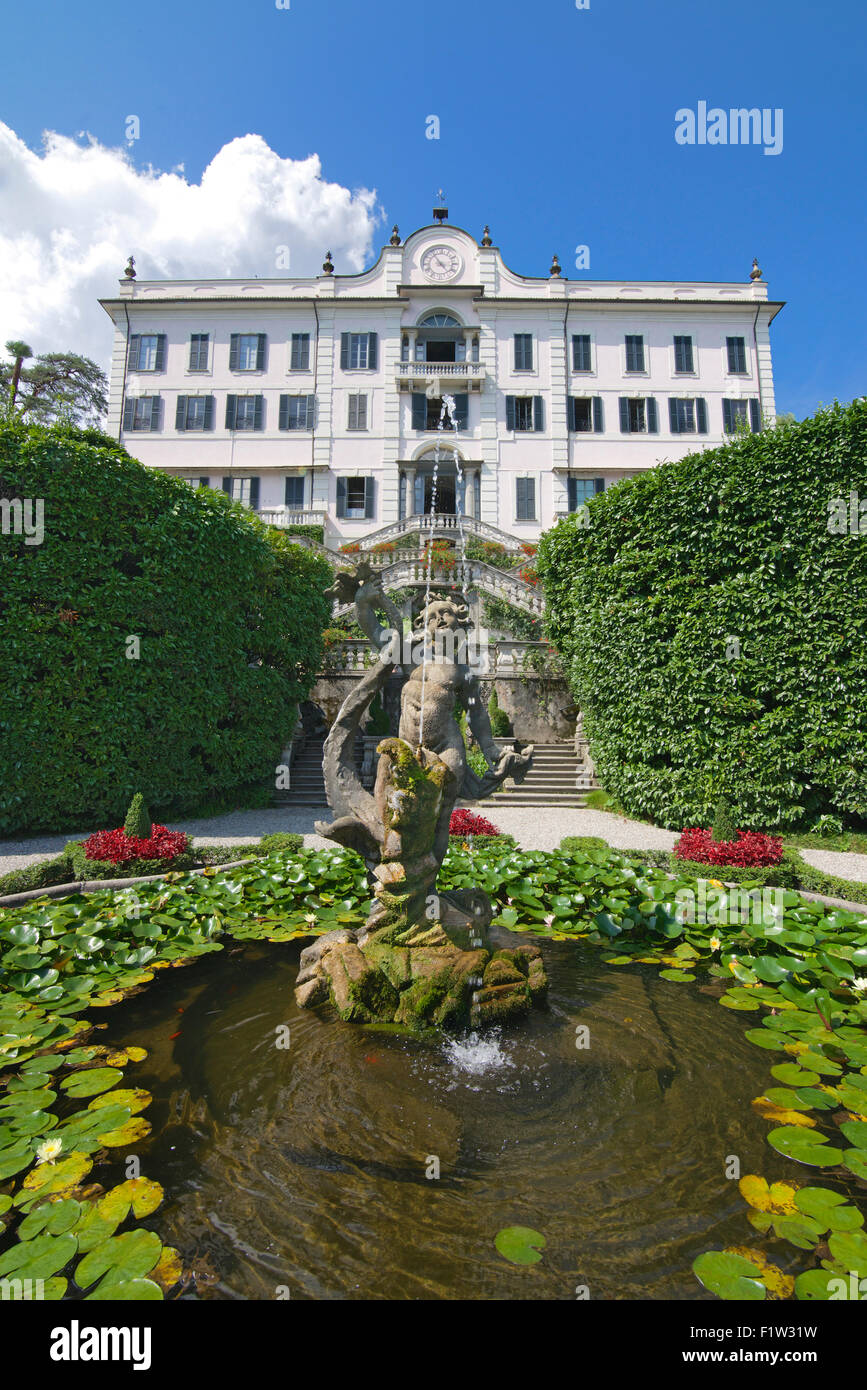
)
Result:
{"points": [[57, 386]]}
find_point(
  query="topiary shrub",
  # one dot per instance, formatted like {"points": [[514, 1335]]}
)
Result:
{"points": [[724, 828], [138, 824], [501, 724], [711, 631], [156, 640], [282, 842], [579, 844]]}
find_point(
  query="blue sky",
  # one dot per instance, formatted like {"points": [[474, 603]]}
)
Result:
{"points": [[556, 128]]}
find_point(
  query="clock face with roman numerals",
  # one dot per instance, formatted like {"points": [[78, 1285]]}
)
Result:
{"points": [[441, 263]]}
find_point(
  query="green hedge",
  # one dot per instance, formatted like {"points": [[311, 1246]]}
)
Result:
{"points": [[228, 614], [793, 872], [715, 629]]}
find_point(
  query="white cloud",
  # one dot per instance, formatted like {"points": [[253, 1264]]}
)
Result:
{"points": [[70, 217]]}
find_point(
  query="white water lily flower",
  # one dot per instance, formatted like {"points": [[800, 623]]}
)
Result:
{"points": [[49, 1150], [715, 943], [549, 920], [860, 983]]}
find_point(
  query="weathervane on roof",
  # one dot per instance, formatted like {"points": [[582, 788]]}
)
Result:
{"points": [[441, 212]]}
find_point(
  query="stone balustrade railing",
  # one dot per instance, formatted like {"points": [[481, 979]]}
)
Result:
{"points": [[506, 657], [288, 516], [441, 524], [471, 574]]}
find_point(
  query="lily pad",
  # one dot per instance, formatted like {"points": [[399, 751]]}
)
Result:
{"points": [[58, 1177], [830, 1208], [729, 1276], [776, 1197], [520, 1244], [91, 1082], [126, 1291], [128, 1257], [804, 1146], [55, 1218], [39, 1258], [813, 1285], [849, 1249]]}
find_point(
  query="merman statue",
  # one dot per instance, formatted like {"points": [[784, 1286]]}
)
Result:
{"points": [[422, 957]]}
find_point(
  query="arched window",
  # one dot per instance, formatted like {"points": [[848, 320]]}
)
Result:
{"points": [[439, 321]]}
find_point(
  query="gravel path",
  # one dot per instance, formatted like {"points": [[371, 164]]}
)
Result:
{"points": [[533, 827], [838, 863]]}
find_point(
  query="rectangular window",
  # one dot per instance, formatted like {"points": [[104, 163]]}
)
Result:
{"points": [[199, 345], [688, 417], [244, 412], [683, 358], [142, 413], [247, 352], [634, 352], [355, 494], [147, 352], [244, 490], [295, 493], [358, 351], [582, 415], [581, 352], [525, 413], [296, 412], [580, 490], [357, 412], [525, 499], [737, 413], [299, 360], [194, 413], [736, 350], [523, 352], [638, 415]]}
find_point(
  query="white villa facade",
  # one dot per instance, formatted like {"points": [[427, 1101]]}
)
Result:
{"points": [[317, 400]]}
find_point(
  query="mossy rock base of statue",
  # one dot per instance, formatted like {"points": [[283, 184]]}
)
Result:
{"points": [[419, 977]]}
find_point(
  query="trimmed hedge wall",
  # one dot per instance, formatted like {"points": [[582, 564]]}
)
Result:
{"points": [[715, 629], [228, 614]]}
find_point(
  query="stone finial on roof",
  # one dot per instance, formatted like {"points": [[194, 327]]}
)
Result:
{"points": [[129, 273], [395, 236], [555, 267], [328, 264], [486, 237], [755, 273]]}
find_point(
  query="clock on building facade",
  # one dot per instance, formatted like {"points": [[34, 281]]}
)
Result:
{"points": [[441, 263]]}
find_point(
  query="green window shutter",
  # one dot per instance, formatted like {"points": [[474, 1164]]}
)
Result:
{"points": [[599, 484], [673, 418], [369, 498], [161, 353], [372, 350], [531, 499], [572, 410], [352, 421], [510, 412], [581, 352], [230, 412], [133, 356], [419, 410], [624, 415], [209, 412], [254, 494], [181, 413], [227, 486], [652, 415], [283, 419], [341, 497], [598, 415], [462, 409], [128, 409], [260, 353], [344, 353], [156, 412], [294, 496], [520, 499], [258, 402], [755, 417], [572, 494], [311, 412], [234, 351], [728, 418], [538, 414], [701, 415]]}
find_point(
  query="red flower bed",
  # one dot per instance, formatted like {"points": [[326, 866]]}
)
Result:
{"points": [[465, 822], [118, 848], [750, 850]]}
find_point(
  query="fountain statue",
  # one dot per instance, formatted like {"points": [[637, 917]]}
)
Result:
{"points": [[422, 958]]}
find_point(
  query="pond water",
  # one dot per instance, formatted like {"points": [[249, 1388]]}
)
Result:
{"points": [[303, 1170]]}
